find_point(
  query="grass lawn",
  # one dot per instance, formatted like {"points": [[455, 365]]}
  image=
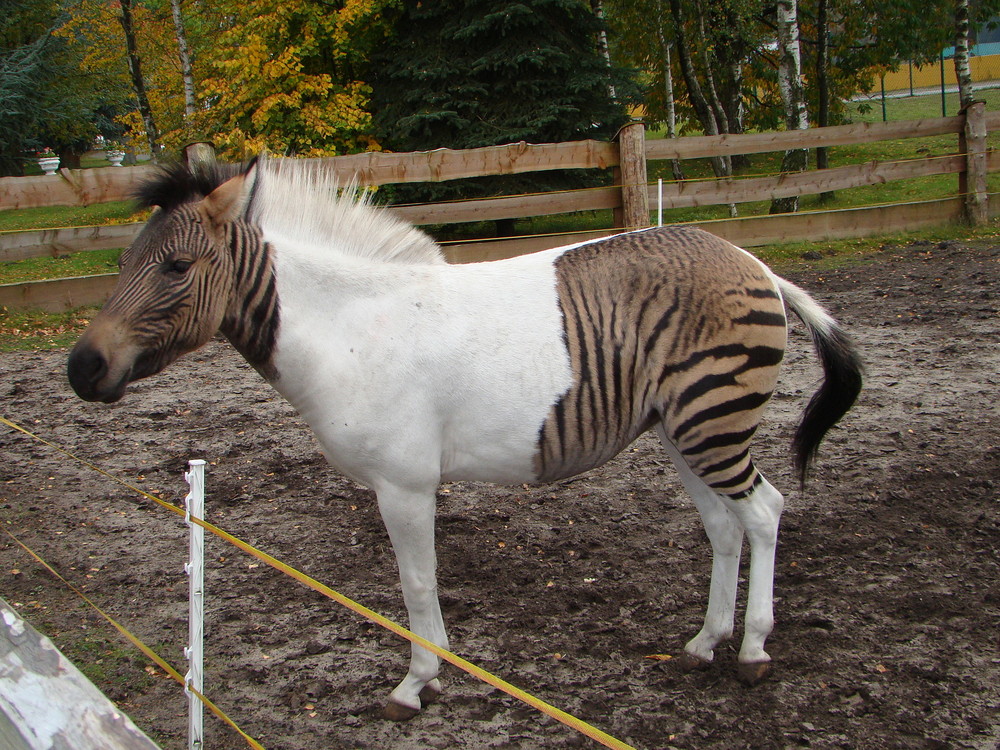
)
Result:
{"points": [[50, 217], [65, 266]]}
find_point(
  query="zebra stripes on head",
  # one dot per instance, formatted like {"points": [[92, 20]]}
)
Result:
{"points": [[196, 268]]}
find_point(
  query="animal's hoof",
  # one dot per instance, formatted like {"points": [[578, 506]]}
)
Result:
{"points": [[429, 694], [688, 662], [754, 672], [394, 711], [398, 712]]}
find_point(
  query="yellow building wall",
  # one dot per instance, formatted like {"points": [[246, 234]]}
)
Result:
{"points": [[984, 68]]}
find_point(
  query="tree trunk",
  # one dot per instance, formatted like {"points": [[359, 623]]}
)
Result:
{"points": [[792, 95], [713, 97], [823, 83], [709, 65], [135, 70], [695, 93], [597, 6], [185, 57], [668, 83], [962, 70]]}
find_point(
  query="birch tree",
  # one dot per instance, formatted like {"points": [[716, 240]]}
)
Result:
{"points": [[187, 76], [963, 72], [792, 95]]}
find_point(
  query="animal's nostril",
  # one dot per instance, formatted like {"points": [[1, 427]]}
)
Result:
{"points": [[85, 368]]}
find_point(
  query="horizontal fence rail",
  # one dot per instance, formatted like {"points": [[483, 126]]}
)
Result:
{"points": [[692, 147], [72, 187], [41, 243], [630, 197], [377, 168], [690, 193]]}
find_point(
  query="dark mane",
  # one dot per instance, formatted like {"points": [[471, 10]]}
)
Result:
{"points": [[175, 184]]}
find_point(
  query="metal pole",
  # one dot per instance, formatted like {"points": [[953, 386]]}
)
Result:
{"points": [[194, 505], [944, 101], [884, 118], [659, 202]]}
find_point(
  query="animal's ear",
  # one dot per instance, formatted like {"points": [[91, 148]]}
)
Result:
{"points": [[229, 201]]}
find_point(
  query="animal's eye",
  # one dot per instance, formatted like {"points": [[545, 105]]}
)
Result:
{"points": [[178, 266]]}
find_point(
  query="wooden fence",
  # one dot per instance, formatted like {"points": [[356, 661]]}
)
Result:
{"points": [[47, 702], [630, 197]]}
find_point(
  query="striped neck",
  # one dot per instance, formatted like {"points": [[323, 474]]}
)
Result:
{"points": [[251, 324]]}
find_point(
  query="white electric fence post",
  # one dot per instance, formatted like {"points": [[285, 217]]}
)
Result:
{"points": [[194, 505], [659, 202]]}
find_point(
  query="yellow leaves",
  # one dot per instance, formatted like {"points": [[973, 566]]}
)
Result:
{"points": [[279, 80]]}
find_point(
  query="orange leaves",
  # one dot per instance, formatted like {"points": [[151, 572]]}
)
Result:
{"points": [[280, 79]]}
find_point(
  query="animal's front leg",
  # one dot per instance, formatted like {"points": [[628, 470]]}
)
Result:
{"points": [[409, 519]]}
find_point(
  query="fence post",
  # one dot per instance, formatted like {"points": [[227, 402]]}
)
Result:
{"points": [[972, 180], [632, 161], [195, 153], [195, 568]]}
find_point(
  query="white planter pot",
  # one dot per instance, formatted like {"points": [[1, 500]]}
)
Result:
{"points": [[115, 157], [49, 164]]}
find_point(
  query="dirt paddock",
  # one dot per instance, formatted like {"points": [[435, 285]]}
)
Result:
{"points": [[887, 585]]}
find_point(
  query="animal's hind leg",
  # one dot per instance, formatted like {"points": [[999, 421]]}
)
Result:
{"points": [[759, 514], [726, 519], [726, 536]]}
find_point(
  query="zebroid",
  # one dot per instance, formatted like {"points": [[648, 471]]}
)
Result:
{"points": [[412, 371]]}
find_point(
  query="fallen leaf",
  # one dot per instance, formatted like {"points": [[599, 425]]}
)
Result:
{"points": [[659, 657]]}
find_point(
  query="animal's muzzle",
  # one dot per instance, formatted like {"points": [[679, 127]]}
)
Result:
{"points": [[87, 370]]}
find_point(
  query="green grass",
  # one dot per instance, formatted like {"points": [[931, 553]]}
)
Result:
{"points": [[65, 266], [916, 107], [32, 330], [49, 217]]}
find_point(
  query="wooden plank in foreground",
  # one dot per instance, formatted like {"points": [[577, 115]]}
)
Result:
{"points": [[46, 702]]}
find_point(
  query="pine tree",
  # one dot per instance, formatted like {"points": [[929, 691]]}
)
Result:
{"points": [[470, 73]]}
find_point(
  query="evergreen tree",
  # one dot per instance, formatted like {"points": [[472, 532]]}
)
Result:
{"points": [[46, 99], [470, 73]]}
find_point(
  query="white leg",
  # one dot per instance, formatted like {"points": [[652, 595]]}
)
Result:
{"points": [[409, 518], [759, 513], [726, 536], [725, 520]]}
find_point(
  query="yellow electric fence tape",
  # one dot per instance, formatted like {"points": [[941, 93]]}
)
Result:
{"points": [[490, 679], [150, 654]]}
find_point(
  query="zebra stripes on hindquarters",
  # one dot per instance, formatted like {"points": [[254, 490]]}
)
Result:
{"points": [[672, 325]]}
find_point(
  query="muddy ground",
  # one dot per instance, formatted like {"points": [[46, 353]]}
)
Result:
{"points": [[888, 574]]}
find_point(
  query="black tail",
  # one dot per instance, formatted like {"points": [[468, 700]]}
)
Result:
{"points": [[843, 373]]}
